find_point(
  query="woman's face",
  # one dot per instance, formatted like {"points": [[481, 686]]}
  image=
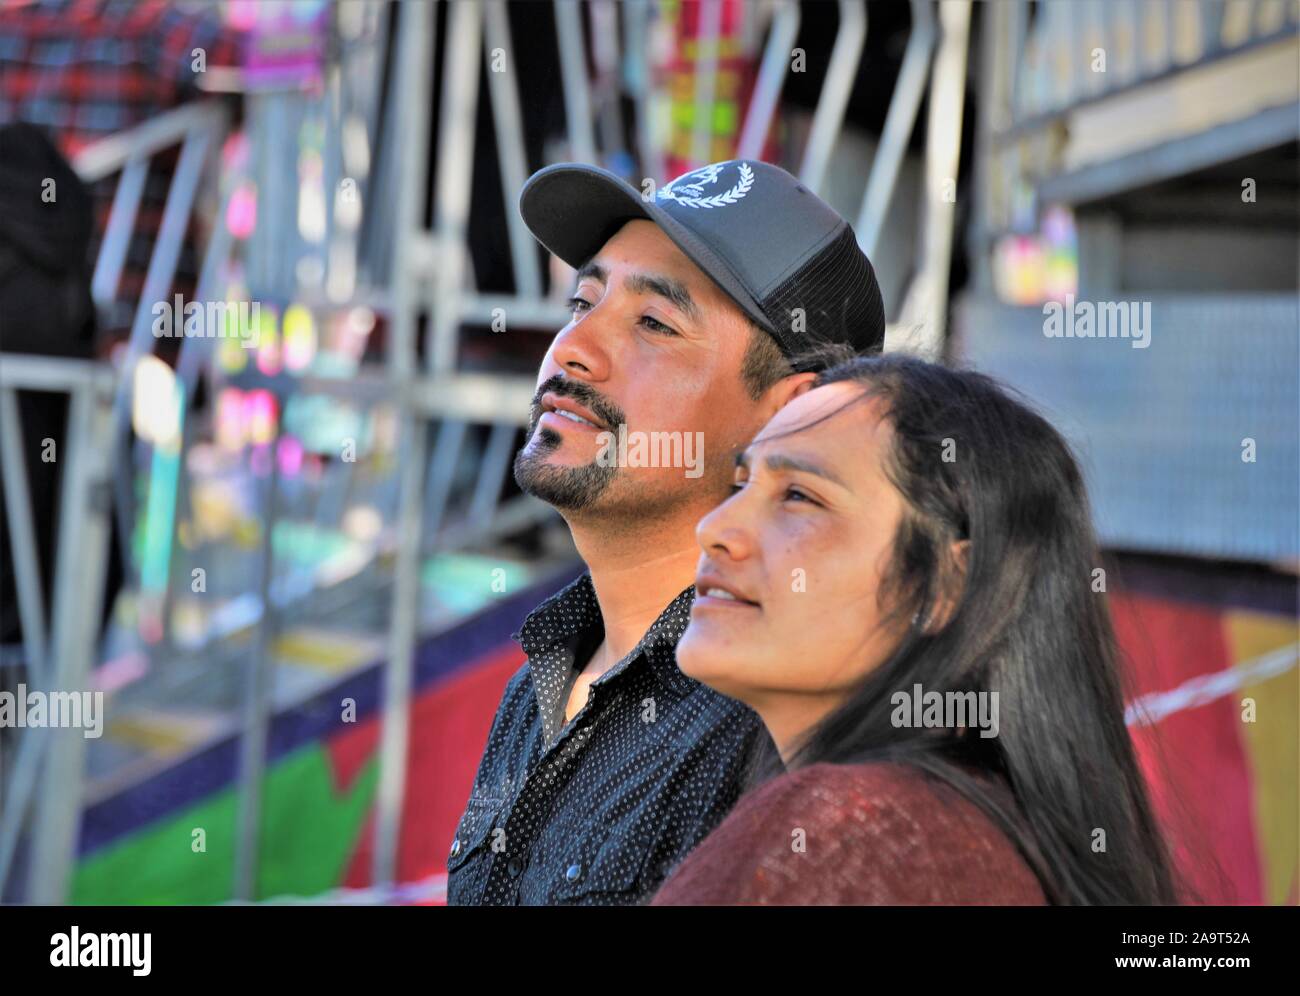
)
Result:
{"points": [[803, 546]]}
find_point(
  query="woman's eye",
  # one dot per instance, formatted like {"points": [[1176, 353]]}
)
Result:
{"points": [[657, 326], [796, 495]]}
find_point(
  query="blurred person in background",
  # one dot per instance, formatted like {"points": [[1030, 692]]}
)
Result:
{"points": [[82, 70], [73, 72], [45, 310], [946, 539], [605, 765]]}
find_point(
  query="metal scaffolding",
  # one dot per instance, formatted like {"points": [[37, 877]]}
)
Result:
{"points": [[420, 278]]}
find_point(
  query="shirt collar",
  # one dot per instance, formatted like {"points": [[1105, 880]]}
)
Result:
{"points": [[574, 609]]}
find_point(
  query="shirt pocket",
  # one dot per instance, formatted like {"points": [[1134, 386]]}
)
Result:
{"points": [[604, 866], [473, 831]]}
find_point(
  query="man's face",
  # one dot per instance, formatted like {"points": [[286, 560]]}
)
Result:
{"points": [[655, 347]]}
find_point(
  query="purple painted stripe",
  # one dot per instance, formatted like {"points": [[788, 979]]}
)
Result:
{"points": [[215, 767]]}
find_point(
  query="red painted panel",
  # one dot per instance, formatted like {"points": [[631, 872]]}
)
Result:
{"points": [[449, 729], [1194, 759]]}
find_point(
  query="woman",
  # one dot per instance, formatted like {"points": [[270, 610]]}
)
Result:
{"points": [[901, 586]]}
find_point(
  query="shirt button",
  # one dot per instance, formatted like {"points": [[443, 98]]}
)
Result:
{"points": [[514, 868], [455, 847], [573, 873]]}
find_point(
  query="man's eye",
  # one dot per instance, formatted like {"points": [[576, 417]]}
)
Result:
{"points": [[576, 303], [795, 494], [654, 325]]}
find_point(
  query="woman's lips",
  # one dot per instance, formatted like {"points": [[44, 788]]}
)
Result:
{"points": [[709, 604], [713, 596]]}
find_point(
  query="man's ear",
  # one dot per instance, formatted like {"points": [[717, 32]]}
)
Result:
{"points": [[951, 587], [786, 390]]}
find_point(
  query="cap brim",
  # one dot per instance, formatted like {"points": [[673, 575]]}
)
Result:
{"points": [[573, 209]]}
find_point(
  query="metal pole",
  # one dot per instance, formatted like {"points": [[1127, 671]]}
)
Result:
{"points": [[415, 59], [899, 122], [158, 278], [493, 468], [771, 77], [636, 13], [93, 380], [258, 688], [415, 48], [27, 569], [840, 73], [399, 668], [573, 73], [117, 234], [446, 454], [454, 179], [81, 562], [190, 364], [942, 154], [508, 119], [706, 81]]}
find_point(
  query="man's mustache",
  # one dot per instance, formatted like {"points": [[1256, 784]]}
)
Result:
{"points": [[584, 394]]}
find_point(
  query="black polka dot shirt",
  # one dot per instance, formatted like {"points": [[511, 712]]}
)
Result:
{"points": [[601, 809]]}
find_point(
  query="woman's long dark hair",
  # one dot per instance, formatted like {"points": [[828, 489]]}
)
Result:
{"points": [[973, 463]]}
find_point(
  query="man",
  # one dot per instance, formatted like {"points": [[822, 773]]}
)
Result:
{"points": [[692, 312]]}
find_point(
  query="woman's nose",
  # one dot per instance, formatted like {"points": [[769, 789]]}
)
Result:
{"points": [[724, 530]]}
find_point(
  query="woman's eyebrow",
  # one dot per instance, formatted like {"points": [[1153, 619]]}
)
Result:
{"points": [[784, 461]]}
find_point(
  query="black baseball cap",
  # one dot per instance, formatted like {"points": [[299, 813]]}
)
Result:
{"points": [[765, 239]]}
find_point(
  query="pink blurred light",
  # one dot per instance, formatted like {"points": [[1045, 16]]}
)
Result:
{"points": [[290, 454], [241, 14], [241, 212], [231, 420], [120, 671], [269, 355], [260, 414]]}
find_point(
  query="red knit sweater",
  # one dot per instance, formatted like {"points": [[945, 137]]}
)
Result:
{"points": [[854, 834]]}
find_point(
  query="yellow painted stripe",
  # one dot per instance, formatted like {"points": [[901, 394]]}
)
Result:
{"points": [[1272, 747], [155, 734], [327, 652]]}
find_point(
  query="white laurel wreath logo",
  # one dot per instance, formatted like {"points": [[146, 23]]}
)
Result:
{"points": [[716, 200]]}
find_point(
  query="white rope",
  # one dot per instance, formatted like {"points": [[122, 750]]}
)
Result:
{"points": [[1151, 708]]}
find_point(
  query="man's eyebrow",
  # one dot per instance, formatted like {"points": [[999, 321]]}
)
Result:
{"points": [[671, 290], [782, 461], [591, 269]]}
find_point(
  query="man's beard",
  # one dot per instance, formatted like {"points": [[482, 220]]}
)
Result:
{"points": [[570, 489]]}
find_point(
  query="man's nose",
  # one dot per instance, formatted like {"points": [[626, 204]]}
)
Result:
{"points": [[579, 349]]}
